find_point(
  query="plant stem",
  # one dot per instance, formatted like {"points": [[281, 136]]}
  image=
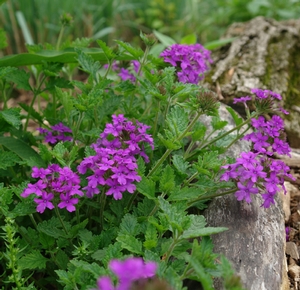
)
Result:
{"points": [[211, 196], [181, 136], [60, 219], [60, 37], [102, 206], [223, 135]]}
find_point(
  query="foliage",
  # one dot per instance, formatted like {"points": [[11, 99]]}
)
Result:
{"points": [[103, 184]]}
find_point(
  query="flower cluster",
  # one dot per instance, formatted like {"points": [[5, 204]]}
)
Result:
{"points": [[54, 184], [191, 60], [126, 74], [127, 272], [114, 164], [255, 171], [58, 132]]}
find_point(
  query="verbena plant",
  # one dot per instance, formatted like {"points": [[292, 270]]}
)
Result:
{"points": [[111, 185]]}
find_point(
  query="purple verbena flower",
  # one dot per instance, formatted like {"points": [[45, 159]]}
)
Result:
{"points": [[242, 100], [191, 60], [127, 272], [54, 184], [58, 132]]}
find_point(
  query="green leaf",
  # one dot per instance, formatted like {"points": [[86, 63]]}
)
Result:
{"points": [[167, 181], [199, 131], [24, 151], [150, 237], [218, 43], [20, 78], [23, 208], [3, 39], [189, 39], [164, 39], [76, 228], [32, 112], [146, 187], [217, 124], [59, 151], [179, 163], [129, 225], [177, 120], [136, 53], [66, 100], [47, 241], [62, 259], [87, 63], [169, 144], [131, 244], [237, 119], [185, 193], [8, 159], [51, 228], [33, 260], [64, 56], [198, 229], [106, 49], [12, 116]]}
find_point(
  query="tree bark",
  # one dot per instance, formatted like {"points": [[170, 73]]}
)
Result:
{"points": [[265, 54]]}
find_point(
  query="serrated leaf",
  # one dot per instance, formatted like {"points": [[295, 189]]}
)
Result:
{"points": [[198, 229], [87, 63], [20, 78], [237, 119], [12, 116], [135, 52], [33, 113], [51, 228], [62, 259], [169, 144], [46, 240], [22, 149], [66, 100], [177, 121], [179, 163], [8, 159], [185, 193], [167, 181], [23, 209], [199, 131], [150, 237], [76, 228], [146, 187], [129, 225], [59, 151], [33, 260], [217, 124], [131, 244], [106, 49]]}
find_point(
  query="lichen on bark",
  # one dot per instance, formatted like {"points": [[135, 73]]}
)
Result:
{"points": [[265, 54]]}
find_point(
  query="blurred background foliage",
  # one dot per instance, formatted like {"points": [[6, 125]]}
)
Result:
{"points": [[38, 21]]}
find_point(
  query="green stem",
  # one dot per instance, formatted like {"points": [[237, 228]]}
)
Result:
{"points": [[102, 206], [33, 221], [60, 37], [170, 251], [223, 135], [60, 219], [131, 200], [35, 94], [210, 196], [191, 178], [181, 136]]}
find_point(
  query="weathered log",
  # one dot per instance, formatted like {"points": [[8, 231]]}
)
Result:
{"points": [[266, 55], [260, 57]]}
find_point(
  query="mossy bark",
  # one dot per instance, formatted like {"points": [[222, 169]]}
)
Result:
{"points": [[266, 55]]}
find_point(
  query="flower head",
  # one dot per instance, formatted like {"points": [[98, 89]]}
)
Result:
{"points": [[191, 60]]}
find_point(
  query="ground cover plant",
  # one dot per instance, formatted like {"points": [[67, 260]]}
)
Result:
{"points": [[107, 193]]}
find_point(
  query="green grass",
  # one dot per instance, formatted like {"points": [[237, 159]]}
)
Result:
{"points": [[123, 19]]}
